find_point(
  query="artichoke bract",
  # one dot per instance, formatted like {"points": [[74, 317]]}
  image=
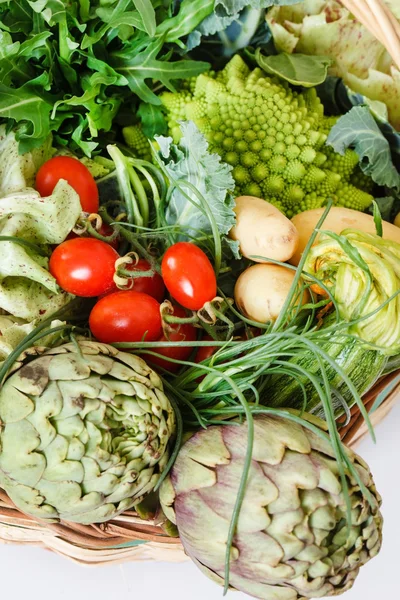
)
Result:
{"points": [[292, 540], [84, 433]]}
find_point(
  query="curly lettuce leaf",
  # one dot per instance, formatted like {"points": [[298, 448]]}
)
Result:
{"points": [[14, 330], [17, 171], [358, 129], [319, 27], [27, 289], [191, 161]]}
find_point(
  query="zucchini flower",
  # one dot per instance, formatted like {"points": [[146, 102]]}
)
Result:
{"points": [[84, 433], [293, 540], [362, 270]]}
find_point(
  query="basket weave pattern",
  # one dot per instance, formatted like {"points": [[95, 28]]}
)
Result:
{"points": [[128, 537]]}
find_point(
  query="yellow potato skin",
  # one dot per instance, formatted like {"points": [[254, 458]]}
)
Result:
{"points": [[262, 230], [261, 291], [337, 220], [397, 220]]}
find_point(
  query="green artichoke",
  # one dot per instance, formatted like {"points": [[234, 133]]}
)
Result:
{"points": [[84, 432], [292, 540]]}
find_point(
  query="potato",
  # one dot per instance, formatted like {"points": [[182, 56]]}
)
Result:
{"points": [[338, 219], [397, 220], [261, 291], [262, 230]]}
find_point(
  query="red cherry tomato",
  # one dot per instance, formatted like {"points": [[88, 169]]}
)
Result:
{"points": [[84, 266], [205, 352], [153, 286], [182, 333], [188, 275], [77, 175], [126, 316]]}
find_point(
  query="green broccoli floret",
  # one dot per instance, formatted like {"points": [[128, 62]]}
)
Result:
{"points": [[137, 141], [273, 136]]}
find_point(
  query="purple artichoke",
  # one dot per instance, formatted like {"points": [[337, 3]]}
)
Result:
{"points": [[292, 540]]}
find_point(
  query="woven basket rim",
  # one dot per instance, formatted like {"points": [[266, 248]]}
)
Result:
{"points": [[377, 17]]}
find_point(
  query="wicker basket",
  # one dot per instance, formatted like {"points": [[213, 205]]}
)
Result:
{"points": [[128, 537]]}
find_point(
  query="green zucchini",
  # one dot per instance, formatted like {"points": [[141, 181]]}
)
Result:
{"points": [[362, 365]]}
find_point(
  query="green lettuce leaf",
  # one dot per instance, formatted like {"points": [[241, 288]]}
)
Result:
{"points": [[17, 171], [27, 289], [190, 161], [14, 330], [358, 129], [326, 28]]}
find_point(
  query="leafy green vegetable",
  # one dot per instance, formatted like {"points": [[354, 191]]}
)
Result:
{"points": [[317, 27], [14, 331], [28, 226], [152, 119], [297, 69], [18, 172], [139, 66], [191, 162], [70, 67], [228, 12], [358, 129], [27, 289]]}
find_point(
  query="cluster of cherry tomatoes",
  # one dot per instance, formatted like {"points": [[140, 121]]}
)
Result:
{"points": [[85, 267]]}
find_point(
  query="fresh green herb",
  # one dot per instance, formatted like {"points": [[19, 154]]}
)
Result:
{"points": [[71, 68]]}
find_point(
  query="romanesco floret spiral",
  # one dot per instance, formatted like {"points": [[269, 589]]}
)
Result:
{"points": [[137, 141], [273, 136]]}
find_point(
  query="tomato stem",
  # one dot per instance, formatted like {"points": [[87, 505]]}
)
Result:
{"points": [[135, 274], [180, 320], [104, 238], [131, 238]]}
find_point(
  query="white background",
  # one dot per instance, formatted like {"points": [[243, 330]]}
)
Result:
{"points": [[27, 572]]}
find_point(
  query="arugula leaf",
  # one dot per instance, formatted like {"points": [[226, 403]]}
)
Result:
{"points": [[152, 119], [357, 129], [190, 161], [148, 15], [191, 14], [112, 18], [52, 11], [140, 66], [71, 68], [297, 69], [25, 104]]}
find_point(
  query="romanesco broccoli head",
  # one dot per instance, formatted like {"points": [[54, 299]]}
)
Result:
{"points": [[137, 141], [273, 136]]}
